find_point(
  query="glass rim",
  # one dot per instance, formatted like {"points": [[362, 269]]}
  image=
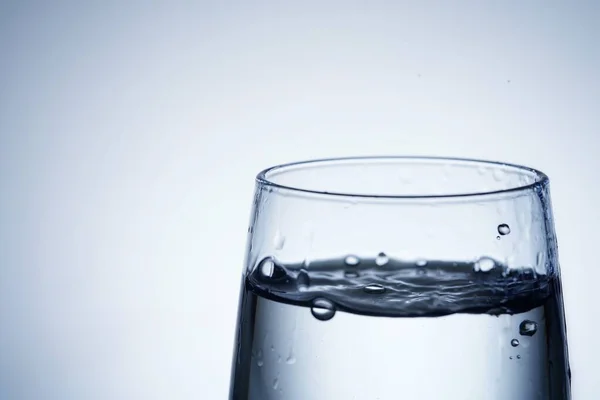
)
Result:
{"points": [[540, 178]]}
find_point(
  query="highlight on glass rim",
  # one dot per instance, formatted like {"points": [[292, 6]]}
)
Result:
{"points": [[401, 277]]}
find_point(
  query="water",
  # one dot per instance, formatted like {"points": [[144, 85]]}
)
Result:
{"points": [[437, 330], [503, 229]]}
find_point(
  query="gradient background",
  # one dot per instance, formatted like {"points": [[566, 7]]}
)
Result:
{"points": [[130, 134]]}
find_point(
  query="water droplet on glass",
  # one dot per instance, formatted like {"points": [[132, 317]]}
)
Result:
{"points": [[269, 269], [518, 356], [374, 289], [503, 229], [260, 363], [322, 309], [351, 274], [302, 281], [279, 359], [290, 360], [352, 260], [421, 263], [279, 241], [514, 343], [497, 237], [272, 348], [275, 383], [381, 259], [527, 328], [484, 264], [539, 259], [510, 358]]}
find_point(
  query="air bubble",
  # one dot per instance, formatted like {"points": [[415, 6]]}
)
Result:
{"points": [[514, 343], [374, 289], [322, 309], [503, 229], [484, 264], [352, 260], [381, 259], [527, 328]]}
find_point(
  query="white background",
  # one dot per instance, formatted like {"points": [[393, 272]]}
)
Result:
{"points": [[130, 134]]}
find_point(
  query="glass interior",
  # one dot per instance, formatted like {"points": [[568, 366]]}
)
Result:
{"points": [[401, 177]]}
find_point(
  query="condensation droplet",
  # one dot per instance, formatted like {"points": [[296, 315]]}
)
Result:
{"points": [[503, 229], [510, 358], [279, 241], [539, 259], [275, 383], [267, 267], [259, 358], [374, 289], [381, 259], [322, 309], [303, 281], [484, 264], [421, 263], [271, 270], [290, 360], [527, 328], [514, 343], [351, 274], [518, 356], [352, 260]]}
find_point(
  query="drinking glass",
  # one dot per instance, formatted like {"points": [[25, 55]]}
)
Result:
{"points": [[401, 278]]}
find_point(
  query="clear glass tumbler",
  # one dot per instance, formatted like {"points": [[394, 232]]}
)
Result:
{"points": [[401, 278]]}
